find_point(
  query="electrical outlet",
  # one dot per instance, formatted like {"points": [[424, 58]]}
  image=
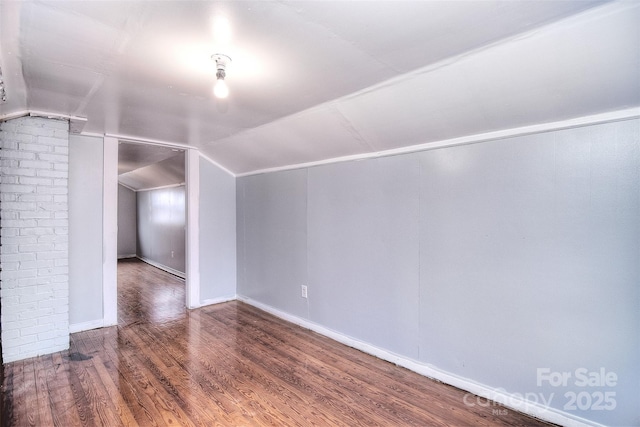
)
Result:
{"points": [[304, 291], [171, 254]]}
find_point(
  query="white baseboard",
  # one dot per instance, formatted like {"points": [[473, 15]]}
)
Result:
{"points": [[86, 326], [512, 401], [163, 267], [218, 300], [127, 256]]}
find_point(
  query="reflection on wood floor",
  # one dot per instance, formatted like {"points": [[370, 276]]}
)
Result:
{"points": [[228, 365]]}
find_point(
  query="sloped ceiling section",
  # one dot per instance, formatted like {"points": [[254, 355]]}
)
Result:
{"points": [[318, 80], [144, 167]]}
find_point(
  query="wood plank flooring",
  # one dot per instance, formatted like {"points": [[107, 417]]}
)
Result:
{"points": [[224, 365]]}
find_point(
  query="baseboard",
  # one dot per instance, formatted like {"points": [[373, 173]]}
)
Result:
{"points": [[127, 256], [85, 326], [163, 267], [512, 401], [218, 300]]}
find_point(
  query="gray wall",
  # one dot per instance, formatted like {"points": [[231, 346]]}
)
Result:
{"points": [[161, 227], [85, 230], [272, 239], [217, 233], [487, 261], [127, 222]]}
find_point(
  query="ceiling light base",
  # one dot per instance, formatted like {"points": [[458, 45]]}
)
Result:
{"points": [[221, 60]]}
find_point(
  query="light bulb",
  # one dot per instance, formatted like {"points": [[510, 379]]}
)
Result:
{"points": [[221, 90]]}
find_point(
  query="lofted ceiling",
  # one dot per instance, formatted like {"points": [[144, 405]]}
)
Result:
{"points": [[317, 80], [148, 166]]}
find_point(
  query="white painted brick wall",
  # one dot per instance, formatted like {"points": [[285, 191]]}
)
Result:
{"points": [[34, 280]]}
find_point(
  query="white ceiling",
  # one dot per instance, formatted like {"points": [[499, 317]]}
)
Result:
{"points": [[146, 166], [316, 80]]}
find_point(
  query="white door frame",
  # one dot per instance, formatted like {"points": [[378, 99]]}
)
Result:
{"points": [[110, 227], [192, 180]]}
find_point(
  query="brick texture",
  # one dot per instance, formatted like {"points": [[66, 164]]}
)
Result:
{"points": [[34, 276]]}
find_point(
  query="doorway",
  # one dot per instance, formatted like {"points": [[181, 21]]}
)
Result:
{"points": [[169, 175], [151, 205]]}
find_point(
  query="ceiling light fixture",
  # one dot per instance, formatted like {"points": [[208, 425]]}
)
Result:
{"points": [[221, 90]]}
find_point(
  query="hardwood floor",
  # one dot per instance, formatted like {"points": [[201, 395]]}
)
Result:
{"points": [[224, 365]]}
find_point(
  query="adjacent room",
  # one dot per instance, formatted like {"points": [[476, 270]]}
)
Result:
{"points": [[151, 205], [320, 213]]}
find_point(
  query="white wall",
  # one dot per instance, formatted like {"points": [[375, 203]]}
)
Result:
{"points": [[85, 232], [34, 255], [482, 263], [217, 233], [161, 228], [127, 222]]}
